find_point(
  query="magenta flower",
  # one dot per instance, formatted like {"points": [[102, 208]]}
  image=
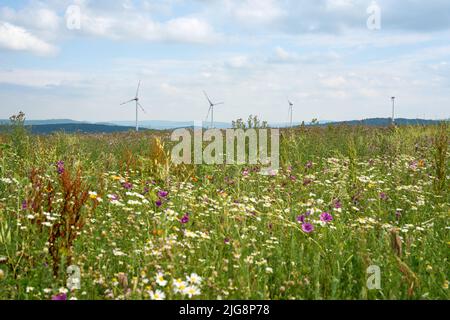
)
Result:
{"points": [[163, 194], [59, 297], [127, 185], [185, 219], [24, 205], [307, 228], [301, 218], [326, 217], [158, 203]]}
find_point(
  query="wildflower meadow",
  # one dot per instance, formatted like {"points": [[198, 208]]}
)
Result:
{"points": [[354, 212]]}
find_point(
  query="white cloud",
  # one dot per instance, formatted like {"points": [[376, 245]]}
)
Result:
{"points": [[39, 78], [255, 11], [16, 38], [131, 24], [238, 62], [334, 82], [283, 55], [189, 30]]}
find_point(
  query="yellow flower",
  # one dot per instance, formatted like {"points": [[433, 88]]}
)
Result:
{"points": [[445, 286]]}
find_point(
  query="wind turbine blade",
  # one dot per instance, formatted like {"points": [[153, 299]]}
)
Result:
{"points": [[219, 103], [137, 91], [209, 111], [128, 102], [209, 100], [142, 108]]}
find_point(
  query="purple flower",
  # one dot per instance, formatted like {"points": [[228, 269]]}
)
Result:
{"points": [[308, 213], [307, 228], [127, 185], [245, 173], [60, 167], [24, 205], [326, 217], [158, 203], [226, 241], [146, 190], [383, 196], [309, 165], [185, 219], [60, 297], [301, 218], [163, 194]]}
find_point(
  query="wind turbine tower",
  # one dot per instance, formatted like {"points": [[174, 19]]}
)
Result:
{"points": [[393, 110], [291, 112]]}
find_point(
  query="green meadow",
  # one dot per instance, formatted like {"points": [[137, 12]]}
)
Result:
{"points": [[108, 216]]}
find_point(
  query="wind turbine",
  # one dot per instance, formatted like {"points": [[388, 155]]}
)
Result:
{"points": [[291, 111], [211, 109], [138, 105], [393, 110]]}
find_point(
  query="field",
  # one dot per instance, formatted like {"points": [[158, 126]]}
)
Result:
{"points": [[135, 226]]}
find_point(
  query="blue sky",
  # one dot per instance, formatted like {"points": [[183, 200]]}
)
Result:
{"points": [[252, 54]]}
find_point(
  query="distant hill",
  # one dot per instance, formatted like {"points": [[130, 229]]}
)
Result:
{"points": [[77, 127], [382, 122], [45, 122], [72, 126], [166, 125]]}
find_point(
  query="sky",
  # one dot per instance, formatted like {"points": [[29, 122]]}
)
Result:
{"points": [[334, 59]]}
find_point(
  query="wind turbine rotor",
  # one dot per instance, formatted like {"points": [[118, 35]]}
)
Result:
{"points": [[142, 108], [137, 91], [209, 100], [138, 105], [128, 102]]}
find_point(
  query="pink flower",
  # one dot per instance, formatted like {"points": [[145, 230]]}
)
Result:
{"points": [[307, 227], [326, 217], [59, 297]]}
